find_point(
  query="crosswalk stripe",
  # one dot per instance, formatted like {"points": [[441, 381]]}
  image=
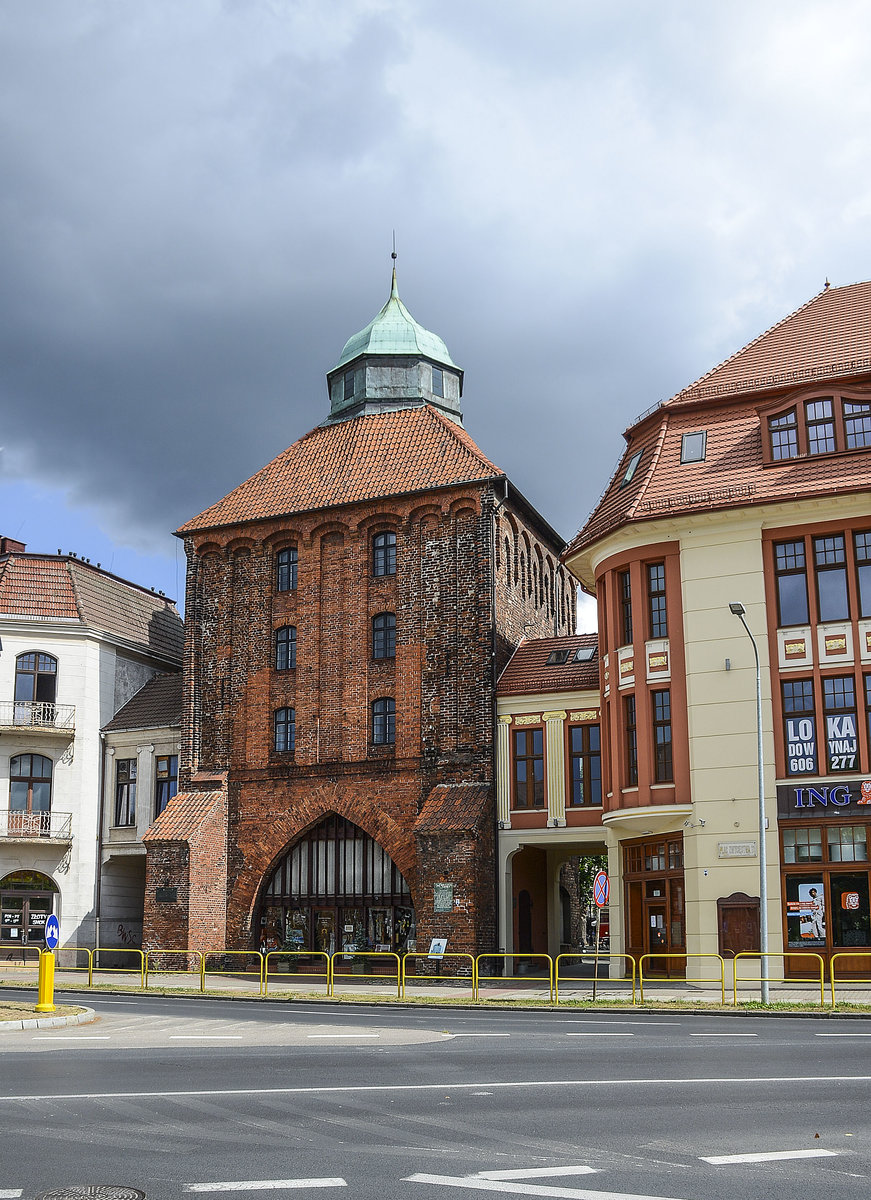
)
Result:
{"points": [[264, 1185], [719, 1160]]}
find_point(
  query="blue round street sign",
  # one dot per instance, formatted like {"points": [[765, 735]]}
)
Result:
{"points": [[601, 889], [52, 932]]}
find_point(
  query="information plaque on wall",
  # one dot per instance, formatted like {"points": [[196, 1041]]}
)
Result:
{"points": [[166, 895], [442, 897]]}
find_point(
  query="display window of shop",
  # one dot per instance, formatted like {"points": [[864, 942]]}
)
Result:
{"points": [[655, 911], [337, 891], [528, 768], [826, 879]]}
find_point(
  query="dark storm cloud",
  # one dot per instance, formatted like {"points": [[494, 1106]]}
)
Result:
{"points": [[593, 203]]}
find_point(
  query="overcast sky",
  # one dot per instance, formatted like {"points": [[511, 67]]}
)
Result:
{"points": [[593, 203]]}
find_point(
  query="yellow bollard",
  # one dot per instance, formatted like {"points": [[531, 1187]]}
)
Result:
{"points": [[46, 982]]}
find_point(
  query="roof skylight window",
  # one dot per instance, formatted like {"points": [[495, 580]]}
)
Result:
{"points": [[693, 447], [631, 468], [556, 658], [585, 654]]}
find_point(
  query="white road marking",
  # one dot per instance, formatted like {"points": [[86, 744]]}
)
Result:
{"points": [[10, 1193], [536, 1172], [525, 1189], [456, 1035], [724, 1035], [343, 1035], [371, 1088], [604, 1033], [264, 1185], [842, 1035], [719, 1160], [70, 1037], [200, 1037]]}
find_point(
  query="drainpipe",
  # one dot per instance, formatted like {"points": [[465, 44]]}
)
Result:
{"points": [[98, 894], [497, 890]]}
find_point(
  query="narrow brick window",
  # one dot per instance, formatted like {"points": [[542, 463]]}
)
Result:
{"points": [[528, 768], [663, 769], [384, 722], [285, 729], [384, 635], [285, 563], [631, 736], [166, 781], [285, 648], [625, 607], [384, 554], [656, 600], [125, 791]]}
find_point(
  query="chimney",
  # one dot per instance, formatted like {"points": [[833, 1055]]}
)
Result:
{"points": [[9, 545]]}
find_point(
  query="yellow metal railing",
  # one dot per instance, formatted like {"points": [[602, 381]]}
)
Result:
{"points": [[470, 980], [786, 953], [721, 978], [235, 972], [846, 954], [196, 955], [138, 955], [590, 955], [344, 955], [515, 978], [288, 954]]}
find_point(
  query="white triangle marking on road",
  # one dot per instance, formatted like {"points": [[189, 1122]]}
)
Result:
{"points": [[475, 1182]]}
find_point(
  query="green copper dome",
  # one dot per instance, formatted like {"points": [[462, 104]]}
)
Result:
{"points": [[395, 331]]}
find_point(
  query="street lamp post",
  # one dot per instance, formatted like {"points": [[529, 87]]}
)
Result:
{"points": [[738, 611]]}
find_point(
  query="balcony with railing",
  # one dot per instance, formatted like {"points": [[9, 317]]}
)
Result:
{"points": [[38, 717], [25, 826]]}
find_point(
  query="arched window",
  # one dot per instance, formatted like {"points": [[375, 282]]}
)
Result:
{"points": [[285, 729], [285, 569], [384, 553], [30, 794], [384, 722], [35, 681], [285, 648], [384, 635]]}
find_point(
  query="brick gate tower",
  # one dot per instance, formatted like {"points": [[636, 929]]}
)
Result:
{"points": [[348, 610]]}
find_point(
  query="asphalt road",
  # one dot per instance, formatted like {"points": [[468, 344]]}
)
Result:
{"points": [[182, 1098]]}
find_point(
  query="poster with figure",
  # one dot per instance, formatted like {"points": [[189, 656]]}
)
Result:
{"points": [[806, 915]]}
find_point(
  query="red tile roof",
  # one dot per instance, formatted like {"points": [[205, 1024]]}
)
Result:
{"points": [[183, 816], [454, 808], [382, 454], [828, 338], [61, 588], [527, 671], [157, 705]]}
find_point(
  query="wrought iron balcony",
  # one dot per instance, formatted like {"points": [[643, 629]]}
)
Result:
{"points": [[38, 717], [24, 826]]}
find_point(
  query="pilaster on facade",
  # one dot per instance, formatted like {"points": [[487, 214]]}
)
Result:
{"points": [[555, 758], [503, 771]]}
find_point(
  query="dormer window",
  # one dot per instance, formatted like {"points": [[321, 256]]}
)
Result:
{"points": [[438, 381], [631, 468], [820, 425]]}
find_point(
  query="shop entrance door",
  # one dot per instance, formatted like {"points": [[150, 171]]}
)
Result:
{"points": [[23, 921], [657, 933], [324, 930]]}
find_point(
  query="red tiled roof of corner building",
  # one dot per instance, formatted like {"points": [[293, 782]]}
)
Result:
{"points": [[527, 672], [828, 336], [732, 472], [182, 816], [157, 704], [454, 808], [382, 454]]}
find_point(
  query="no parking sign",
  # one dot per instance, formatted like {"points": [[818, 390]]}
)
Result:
{"points": [[601, 889]]}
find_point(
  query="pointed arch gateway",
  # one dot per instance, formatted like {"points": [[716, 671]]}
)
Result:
{"points": [[336, 888]]}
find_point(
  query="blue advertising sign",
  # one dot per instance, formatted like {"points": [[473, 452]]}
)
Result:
{"points": [[52, 932]]}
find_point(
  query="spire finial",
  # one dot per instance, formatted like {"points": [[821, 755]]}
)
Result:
{"points": [[394, 287], [827, 285]]}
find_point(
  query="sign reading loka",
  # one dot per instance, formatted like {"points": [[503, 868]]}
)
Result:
{"points": [[822, 798]]}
